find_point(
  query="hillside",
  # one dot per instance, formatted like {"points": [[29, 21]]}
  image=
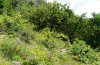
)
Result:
{"points": [[30, 47], [47, 34]]}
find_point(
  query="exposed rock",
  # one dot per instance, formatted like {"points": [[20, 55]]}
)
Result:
{"points": [[63, 50], [2, 37], [16, 63]]}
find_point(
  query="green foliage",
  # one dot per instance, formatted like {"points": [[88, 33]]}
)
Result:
{"points": [[83, 52], [51, 15], [10, 47], [4, 61], [33, 32], [9, 24], [94, 38], [59, 18], [39, 2], [1, 6]]}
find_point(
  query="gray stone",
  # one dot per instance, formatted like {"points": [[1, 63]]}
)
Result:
{"points": [[16, 63]]}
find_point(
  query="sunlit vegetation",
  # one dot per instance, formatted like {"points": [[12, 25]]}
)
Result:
{"points": [[34, 32]]}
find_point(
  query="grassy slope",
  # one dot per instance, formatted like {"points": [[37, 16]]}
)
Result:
{"points": [[34, 48], [37, 48]]}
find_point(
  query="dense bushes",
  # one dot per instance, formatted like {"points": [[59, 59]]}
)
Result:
{"points": [[40, 33], [62, 19], [52, 15], [1, 6], [84, 53], [35, 53], [94, 39], [56, 16], [10, 48]]}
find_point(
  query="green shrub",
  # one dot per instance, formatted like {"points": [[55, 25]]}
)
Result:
{"points": [[37, 55], [83, 52], [9, 24], [4, 61], [10, 47], [1, 6]]}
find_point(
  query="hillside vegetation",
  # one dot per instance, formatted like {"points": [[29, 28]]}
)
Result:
{"points": [[34, 32]]}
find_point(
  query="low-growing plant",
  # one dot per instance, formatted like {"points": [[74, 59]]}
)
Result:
{"points": [[82, 52], [10, 47]]}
